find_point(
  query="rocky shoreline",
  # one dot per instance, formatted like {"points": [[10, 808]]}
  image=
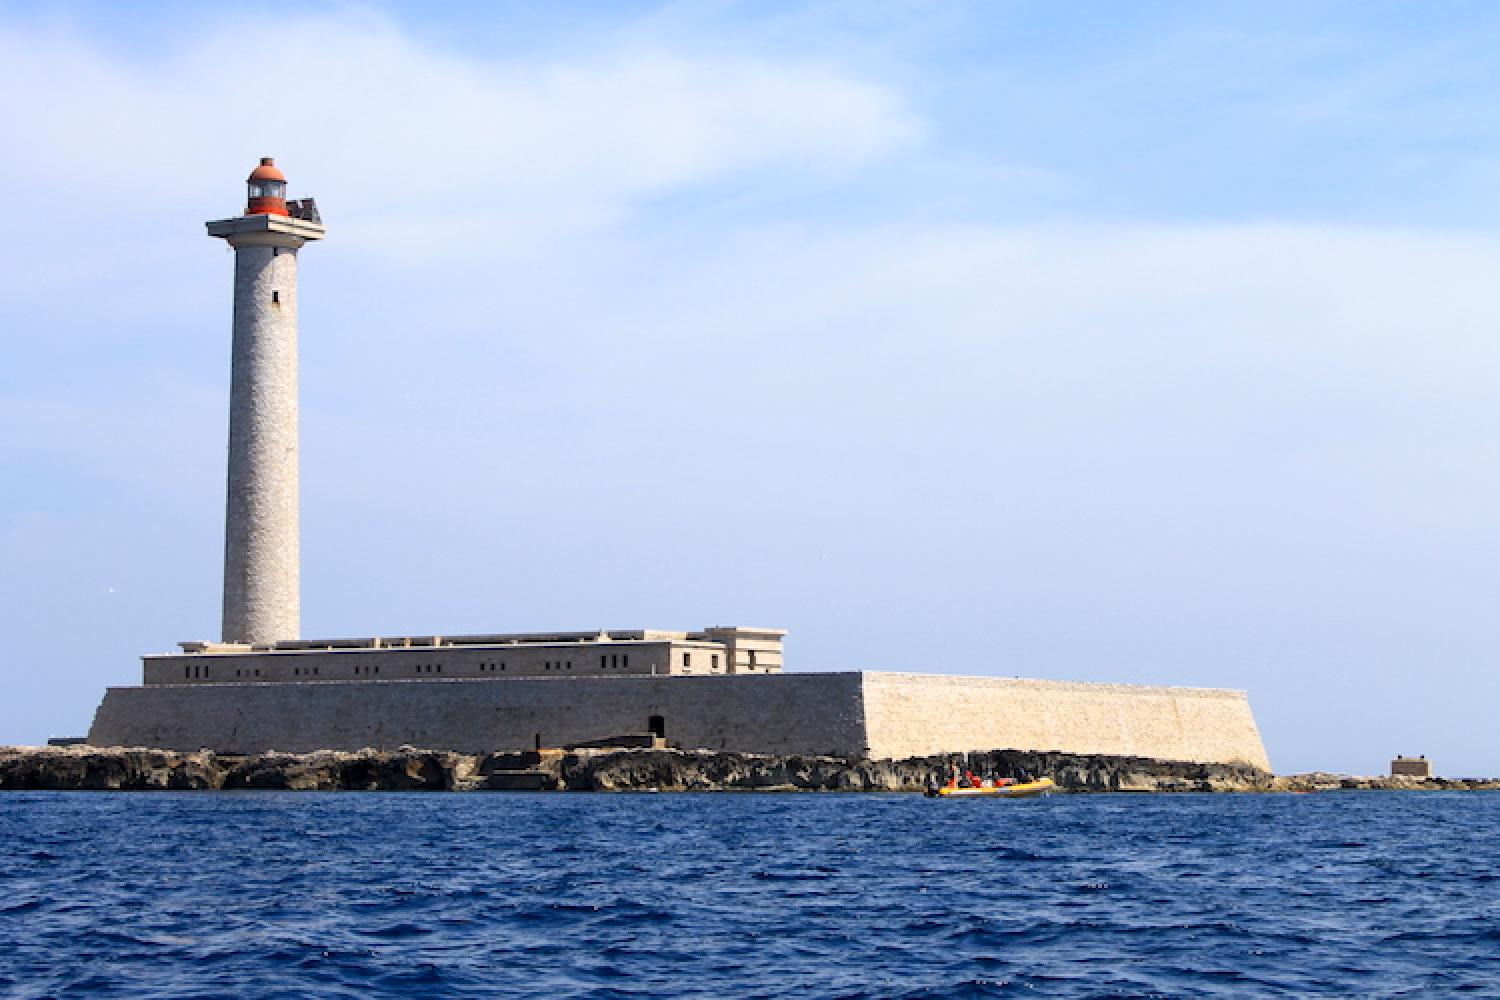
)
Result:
{"points": [[80, 768]]}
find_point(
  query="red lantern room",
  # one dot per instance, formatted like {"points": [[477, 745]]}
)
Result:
{"points": [[267, 189]]}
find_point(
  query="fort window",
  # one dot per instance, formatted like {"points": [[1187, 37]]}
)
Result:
{"points": [[714, 661], [658, 726], [687, 659], [603, 661], [187, 672], [625, 659]]}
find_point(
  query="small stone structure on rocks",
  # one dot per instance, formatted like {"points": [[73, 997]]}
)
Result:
{"points": [[1411, 767]]}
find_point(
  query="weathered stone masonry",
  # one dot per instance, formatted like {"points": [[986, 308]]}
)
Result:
{"points": [[850, 714]]}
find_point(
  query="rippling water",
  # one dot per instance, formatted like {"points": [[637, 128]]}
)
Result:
{"points": [[412, 895]]}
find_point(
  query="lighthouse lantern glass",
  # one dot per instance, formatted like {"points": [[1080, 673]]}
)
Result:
{"points": [[268, 189]]}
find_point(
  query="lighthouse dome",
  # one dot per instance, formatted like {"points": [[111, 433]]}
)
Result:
{"points": [[267, 189], [267, 171]]}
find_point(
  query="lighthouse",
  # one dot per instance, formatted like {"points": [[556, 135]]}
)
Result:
{"points": [[262, 590]]}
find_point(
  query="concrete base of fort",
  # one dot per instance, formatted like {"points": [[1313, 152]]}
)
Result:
{"points": [[852, 714]]}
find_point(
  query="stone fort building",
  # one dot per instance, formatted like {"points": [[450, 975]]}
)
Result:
{"points": [[262, 688]]}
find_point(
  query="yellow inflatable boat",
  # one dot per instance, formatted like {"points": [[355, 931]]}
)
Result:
{"points": [[998, 791]]}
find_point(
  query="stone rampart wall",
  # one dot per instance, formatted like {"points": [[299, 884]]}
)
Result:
{"points": [[877, 715], [776, 713], [913, 715]]}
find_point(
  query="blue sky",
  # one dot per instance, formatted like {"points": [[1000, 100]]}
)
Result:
{"points": [[1148, 343]]}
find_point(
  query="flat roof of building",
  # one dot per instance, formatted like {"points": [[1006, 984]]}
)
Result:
{"points": [[715, 633]]}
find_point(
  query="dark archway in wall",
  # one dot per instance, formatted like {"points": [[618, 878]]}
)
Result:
{"points": [[658, 726]]}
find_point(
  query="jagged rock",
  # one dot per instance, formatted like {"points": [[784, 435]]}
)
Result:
{"points": [[584, 769], [99, 769]]}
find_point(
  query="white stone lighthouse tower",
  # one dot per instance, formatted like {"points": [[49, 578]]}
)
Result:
{"points": [[262, 598]]}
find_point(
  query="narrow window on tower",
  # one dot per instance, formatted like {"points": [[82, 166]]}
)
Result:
{"points": [[275, 298]]}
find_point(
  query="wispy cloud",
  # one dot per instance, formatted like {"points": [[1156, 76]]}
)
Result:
{"points": [[425, 137]]}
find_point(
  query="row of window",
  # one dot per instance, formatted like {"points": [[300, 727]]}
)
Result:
{"points": [[607, 661]]}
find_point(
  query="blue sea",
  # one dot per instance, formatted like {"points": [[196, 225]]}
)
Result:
{"points": [[1355, 894]]}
